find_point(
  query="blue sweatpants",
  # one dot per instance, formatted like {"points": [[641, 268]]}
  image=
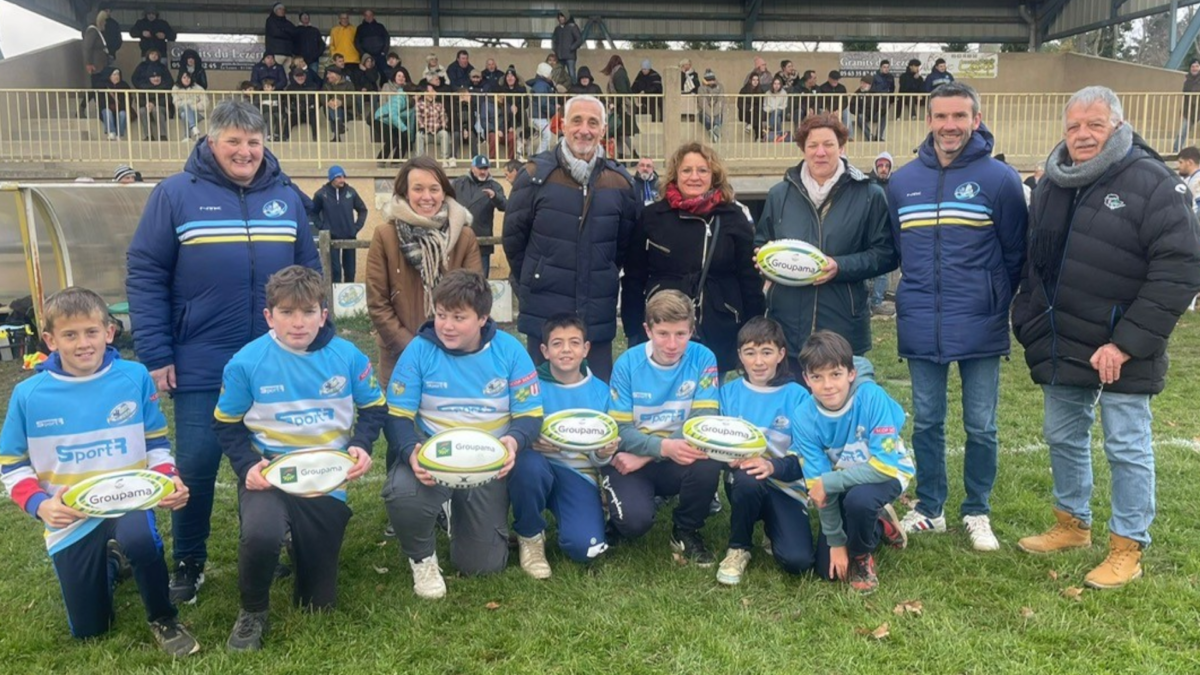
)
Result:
{"points": [[84, 574], [785, 521], [537, 484], [860, 505]]}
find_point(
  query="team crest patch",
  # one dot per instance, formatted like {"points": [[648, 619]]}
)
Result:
{"points": [[123, 412], [398, 388], [494, 387], [614, 395], [968, 190], [276, 208], [287, 474], [780, 422], [686, 390], [333, 386], [1113, 201]]}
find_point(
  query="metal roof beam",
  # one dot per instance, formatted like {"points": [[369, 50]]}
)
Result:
{"points": [[1185, 43], [751, 19]]}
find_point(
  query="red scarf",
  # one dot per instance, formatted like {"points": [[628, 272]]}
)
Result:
{"points": [[697, 206]]}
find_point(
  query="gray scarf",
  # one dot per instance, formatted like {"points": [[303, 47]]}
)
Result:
{"points": [[1073, 176], [580, 170], [424, 243]]}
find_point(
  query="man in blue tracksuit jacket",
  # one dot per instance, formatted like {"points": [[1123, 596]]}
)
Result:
{"points": [[958, 219], [208, 240], [343, 213]]}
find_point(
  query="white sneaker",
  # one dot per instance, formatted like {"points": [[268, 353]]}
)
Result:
{"points": [[533, 556], [733, 566], [111, 136], [427, 578], [914, 522], [451, 163], [980, 529]]}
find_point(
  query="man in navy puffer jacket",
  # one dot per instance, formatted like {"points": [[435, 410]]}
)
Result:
{"points": [[959, 219], [208, 240]]}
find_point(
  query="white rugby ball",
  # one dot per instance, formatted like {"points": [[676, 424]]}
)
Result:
{"points": [[114, 494], [725, 439], [309, 473], [579, 430], [791, 262], [462, 458]]}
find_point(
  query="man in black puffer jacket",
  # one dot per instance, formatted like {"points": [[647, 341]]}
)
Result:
{"points": [[1114, 260]]}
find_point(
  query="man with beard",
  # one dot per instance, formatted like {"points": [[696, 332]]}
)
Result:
{"points": [[480, 194], [645, 182]]}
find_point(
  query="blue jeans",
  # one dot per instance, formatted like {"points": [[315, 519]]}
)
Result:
{"points": [[197, 458], [570, 64], [190, 116], [774, 124], [114, 123], [980, 396], [711, 123], [1125, 419], [879, 286]]}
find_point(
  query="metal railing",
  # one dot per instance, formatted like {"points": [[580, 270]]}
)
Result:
{"points": [[317, 129]]}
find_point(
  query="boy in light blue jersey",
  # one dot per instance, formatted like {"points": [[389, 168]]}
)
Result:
{"points": [[459, 372], [655, 387], [85, 413], [564, 482], [855, 462], [295, 388], [768, 488]]}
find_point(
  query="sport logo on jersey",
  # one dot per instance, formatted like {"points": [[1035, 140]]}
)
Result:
{"points": [[494, 387], [303, 418], [271, 389], [276, 208], [94, 450], [123, 412], [333, 386]]}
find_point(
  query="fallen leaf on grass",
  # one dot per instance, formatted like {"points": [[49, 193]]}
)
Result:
{"points": [[492, 605], [1073, 593], [1053, 575], [30, 605], [381, 570], [879, 633], [1026, 613], [378, 588], [1172, 424], [906, 500], [908, 607], [382, 543], [745, 602]]}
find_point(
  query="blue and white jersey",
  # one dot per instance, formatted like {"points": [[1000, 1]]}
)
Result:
{"points": [[770, 409], [484, 390], [590, 393], [657, 399], [61, 430], [866, 429]]}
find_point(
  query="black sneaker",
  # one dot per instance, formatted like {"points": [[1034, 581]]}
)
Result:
{"points": [[118, 563], [688, 546], [248, 631], [186, 583], [174, 638]]}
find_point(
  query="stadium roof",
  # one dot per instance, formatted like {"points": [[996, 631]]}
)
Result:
{"points": [[738, 20]]}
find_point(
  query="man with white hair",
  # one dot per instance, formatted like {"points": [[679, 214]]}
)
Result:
{"points": [[1114, 260], [569, 221]]}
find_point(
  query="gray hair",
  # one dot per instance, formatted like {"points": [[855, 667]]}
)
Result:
{"points": [[957, 90], [1097, 94], [236, 114], [584, 98]]}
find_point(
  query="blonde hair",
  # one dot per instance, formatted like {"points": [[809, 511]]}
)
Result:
{"points": [[720, 180], [73, 301], [669, 306]]}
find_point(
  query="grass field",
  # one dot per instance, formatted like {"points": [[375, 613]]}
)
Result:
{"points": [[637, 612]]}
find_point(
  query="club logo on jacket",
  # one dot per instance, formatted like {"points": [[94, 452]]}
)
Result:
{"points": [[123, 412], [966, 191], [1113, 201], [275, 208]]}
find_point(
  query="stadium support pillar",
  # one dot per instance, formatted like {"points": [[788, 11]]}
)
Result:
{"points": [[752, 9], [672, 111], [1174, 25], [435, 21], [1185, 43]]}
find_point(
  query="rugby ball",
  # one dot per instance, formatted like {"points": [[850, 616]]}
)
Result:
{"points": [[725, 439], [791, 262], [309, 473], [579, 430], [462, 458], [114, 494]]}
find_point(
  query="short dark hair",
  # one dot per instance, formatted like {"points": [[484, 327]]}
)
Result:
{"points": [[246, 84], [425, 163], [761, 331], [73, 301], [463, 288], [462, 52], [563, 320], [822, 121], [295, 286], [514, 165], [885, 62], [826, 349], [1190, 153], [955, 89], [784, 63]]}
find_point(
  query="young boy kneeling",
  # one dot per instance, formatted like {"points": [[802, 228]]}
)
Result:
{"points": [[459, 371], [655, 387], [299, 365], [565, 482], [855, 462], [87, 412]]}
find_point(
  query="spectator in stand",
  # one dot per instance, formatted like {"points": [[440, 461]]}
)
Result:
{"points": [[689, 80], [864, 105], [542, 106], [491, 75], [585, 84], [763, 72], [649, 82], [645, 182], [559, 74], [95, 54], [388, 69], [775, 106], [939, 76], [302, 108], [307, 40], [114, 108], [155, 107], [472, 102], [832, 99], [511, 106], [433, 69], [152, 64], [750, 106], [1191, 102], [1038, 171], [712, 105], [802, 105], [267, 67], [341, 40], [191, 63], [912, 84], [394, 118], [788, 73], [342, 212], [365, 78], [113, 35], [281, 34], [482, 196], [566, 41], [191, 103], [624, 124], [432, 125], [336, 102], [340, 61], [883, 85], [459, 72], [125, 175], [372, 38], [299, 62], [271, 106], [152, 32]]}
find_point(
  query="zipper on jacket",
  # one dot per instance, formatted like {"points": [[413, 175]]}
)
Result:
{"points": [[1053, 297], [250, 255], [820, 237], [937, 265], [703, 259]]}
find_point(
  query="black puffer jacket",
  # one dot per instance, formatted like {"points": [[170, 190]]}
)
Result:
{"points": [[1130, 267], [668, 250]]}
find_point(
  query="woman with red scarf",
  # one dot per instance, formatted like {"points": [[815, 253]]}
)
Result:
{"points": [[700, 241]]}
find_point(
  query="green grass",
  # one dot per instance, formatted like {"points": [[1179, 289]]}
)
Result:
{"points": [[636, 612]]}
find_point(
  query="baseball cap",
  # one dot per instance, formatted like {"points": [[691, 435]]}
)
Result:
{"points": [[480, 162]]}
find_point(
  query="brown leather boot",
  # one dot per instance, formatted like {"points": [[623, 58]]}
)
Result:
{"points": [[1069, 532], [1123, 564]]}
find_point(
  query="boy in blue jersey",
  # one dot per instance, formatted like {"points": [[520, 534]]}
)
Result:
{"points": [[768, 488], [855, 462], [459, 371], [87, 412], [655, 387], [297, 387], [564, 482]]}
